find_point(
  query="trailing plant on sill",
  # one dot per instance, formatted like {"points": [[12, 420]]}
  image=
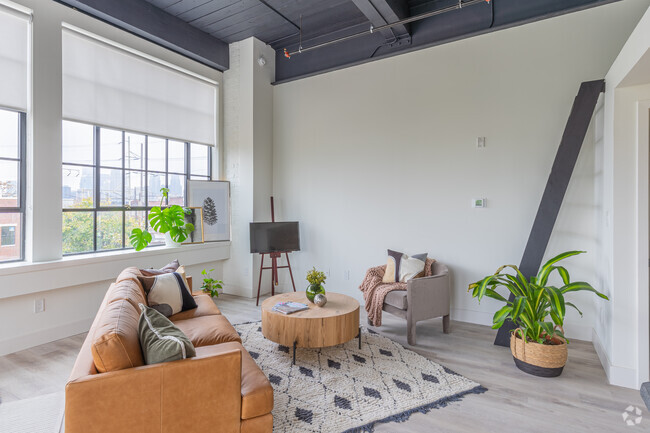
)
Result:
{"points": [[210, 285], [535, 301], [170, 220]]}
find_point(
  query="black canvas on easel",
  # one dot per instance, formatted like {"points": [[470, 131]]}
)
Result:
{"points": [[556, 186]]}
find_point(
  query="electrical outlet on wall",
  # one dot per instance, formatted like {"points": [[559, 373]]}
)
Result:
{"points": [[39, 305], [346, 274], [480, 143]]}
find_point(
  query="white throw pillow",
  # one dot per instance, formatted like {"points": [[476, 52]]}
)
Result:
{"points": [[168, 293], [410, 267]]}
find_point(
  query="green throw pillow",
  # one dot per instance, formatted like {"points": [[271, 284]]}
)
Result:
{"points": [[160, 340]]}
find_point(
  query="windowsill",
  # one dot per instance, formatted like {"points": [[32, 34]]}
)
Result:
{"points": [[21, 278]]}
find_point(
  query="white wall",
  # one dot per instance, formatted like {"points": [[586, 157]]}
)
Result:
{"points": [[383, 155], [73, 287], [621, 331]]}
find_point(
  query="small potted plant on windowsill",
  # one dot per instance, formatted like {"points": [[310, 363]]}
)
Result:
{"points": [[170, 221], [211, 286], [538, 309]]}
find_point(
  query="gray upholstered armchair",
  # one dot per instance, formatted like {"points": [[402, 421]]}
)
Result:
{"points": [[424, 298]]}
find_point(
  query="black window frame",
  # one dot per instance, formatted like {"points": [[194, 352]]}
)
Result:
{"points": [[97, 168], [22, 180]]}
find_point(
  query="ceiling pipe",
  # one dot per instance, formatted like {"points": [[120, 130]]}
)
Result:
{"points": [[372, 29]]}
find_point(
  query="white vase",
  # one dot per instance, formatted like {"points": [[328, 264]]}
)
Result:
{"points": [[171, 243]]}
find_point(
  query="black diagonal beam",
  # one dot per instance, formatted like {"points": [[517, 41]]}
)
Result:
{"points": [[149, 22], [556, 186], [381, 12]]}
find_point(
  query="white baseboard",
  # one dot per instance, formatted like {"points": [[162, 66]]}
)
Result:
{"points": [[619, 376], [472, 316], [574, 331], [43, 336]]}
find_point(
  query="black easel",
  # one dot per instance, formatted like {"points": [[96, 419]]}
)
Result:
{"points": [[274, 265]]}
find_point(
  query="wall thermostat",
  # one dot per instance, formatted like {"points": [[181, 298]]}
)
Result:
{"points": [[479, 202]]}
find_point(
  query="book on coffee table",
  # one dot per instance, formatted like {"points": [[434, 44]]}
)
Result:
{"points": [[289, 307]]}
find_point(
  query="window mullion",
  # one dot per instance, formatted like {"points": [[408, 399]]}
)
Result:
{"points": [[123, 189], [96, 201]]}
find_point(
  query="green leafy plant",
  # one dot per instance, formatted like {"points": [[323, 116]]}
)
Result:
{"points": [[535, 301], [316, 277], [210, 285], [170, 220]]}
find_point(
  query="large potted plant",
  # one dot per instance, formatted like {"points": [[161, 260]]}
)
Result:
{"points": [[538, 310], [169, 221]]}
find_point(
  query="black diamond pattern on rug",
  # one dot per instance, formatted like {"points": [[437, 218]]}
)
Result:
{"points": [[275, 380], [342, 402], [259, 329], [333, 364], [347, 388], [304, 415], [430, 378], [369, 392], [401, 385], [450, 371]]}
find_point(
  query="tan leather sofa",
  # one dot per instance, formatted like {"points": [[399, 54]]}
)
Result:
{"points": [[111, 389]]}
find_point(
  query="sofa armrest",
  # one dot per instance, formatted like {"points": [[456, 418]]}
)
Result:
{"points": [[153, 398], [189, 282], [428, 297]]}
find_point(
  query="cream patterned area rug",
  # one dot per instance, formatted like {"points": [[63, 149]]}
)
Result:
{"points": [[42, 414], [347, 389]]}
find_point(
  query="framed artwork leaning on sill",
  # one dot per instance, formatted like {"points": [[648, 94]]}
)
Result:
{"points": [[213, 197]]}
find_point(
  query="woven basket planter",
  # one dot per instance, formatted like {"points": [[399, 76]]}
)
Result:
{"points": [[544, 360]]}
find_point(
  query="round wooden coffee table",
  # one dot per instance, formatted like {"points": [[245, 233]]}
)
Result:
{"points": [[335, 323]]}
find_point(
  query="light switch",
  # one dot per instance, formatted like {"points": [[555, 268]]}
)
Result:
{"points": [[480, 142]]}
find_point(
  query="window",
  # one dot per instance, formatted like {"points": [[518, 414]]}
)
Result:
{"points": [[12, 184], [112, 178]]}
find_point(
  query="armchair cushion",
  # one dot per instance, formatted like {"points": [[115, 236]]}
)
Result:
{"points": [[397, 298]]}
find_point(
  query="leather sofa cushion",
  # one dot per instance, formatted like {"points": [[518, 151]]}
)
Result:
{"points": [[205, 307], [260, 424], [115, 341], [128, 290], [256, 390], [131, 273], [397, 298], [208, 330]]}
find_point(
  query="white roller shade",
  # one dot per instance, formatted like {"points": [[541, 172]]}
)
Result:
{"points": [[14, 58], [110, 86]]}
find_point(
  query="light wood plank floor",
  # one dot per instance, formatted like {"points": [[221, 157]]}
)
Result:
{"points": [[578, 401]]}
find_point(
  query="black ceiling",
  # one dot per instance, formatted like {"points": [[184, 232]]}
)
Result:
{"points": [[201, 29], [271, 21]]}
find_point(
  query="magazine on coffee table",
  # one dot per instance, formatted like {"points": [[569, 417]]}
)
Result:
{"points": [[289, 307]]}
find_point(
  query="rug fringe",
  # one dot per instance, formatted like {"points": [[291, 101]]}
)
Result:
{"points": [[404, 416]]}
